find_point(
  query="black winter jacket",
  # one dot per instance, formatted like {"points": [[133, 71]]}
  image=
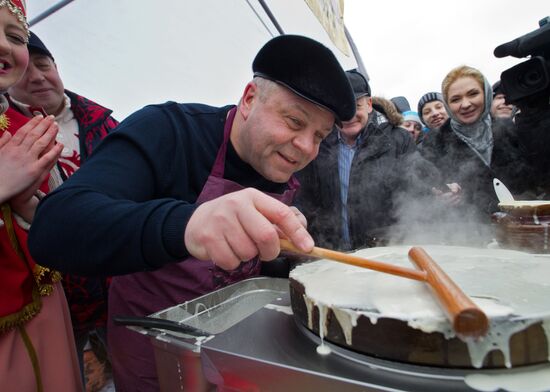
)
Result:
{"points": [[458, 163]]}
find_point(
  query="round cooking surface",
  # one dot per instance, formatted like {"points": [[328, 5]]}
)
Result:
{"points": [[394, 318]]}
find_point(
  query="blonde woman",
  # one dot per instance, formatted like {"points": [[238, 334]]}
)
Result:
{"points": [[467, 149]]}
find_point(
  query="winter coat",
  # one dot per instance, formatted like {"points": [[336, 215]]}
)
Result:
{"points": [[457, 163]]}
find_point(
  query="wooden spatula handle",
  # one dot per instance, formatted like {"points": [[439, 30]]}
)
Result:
{"points": [[358, 261], [467, 318]]}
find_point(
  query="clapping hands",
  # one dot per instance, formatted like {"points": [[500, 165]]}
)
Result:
{"points": [[26, 158]]}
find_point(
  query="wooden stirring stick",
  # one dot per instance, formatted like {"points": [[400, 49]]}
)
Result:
{"points": [[358, 261], [467, 319]]}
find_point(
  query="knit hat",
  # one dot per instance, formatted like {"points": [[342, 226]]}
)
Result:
{"points": [[358, 83], [310, 70], [411, 116], [428, 97], [497, 88], [36, 45], [19, 9]]}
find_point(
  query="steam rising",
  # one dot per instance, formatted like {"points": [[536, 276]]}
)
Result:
{"points": [[425, 218]]}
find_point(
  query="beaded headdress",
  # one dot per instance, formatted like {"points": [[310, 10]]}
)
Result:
{"points": [[19, 9]]}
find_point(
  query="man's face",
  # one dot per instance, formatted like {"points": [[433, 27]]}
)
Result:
{"points": [[281, 132], [351, 129], [40, 85], [434, 114], [499, 107]]}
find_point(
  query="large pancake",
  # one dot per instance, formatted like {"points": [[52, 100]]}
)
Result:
{"points": [[399, 319]]}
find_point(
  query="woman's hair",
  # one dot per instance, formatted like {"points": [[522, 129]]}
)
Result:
{"points": [[460, 72]]}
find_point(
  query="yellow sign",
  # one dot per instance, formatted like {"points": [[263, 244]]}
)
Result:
{"points": [[330, 14]]}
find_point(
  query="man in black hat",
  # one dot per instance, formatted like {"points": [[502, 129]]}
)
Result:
{"points": [[349, 191], [82, 125], [188, 198]]}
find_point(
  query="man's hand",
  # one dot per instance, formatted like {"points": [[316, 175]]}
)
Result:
{"points": [[241, 225]]}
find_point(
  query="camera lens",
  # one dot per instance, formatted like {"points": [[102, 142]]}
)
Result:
{"points": [[531, 79], [525, 79]]}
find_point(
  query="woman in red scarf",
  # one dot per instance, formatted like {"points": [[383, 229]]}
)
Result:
{"points": [[36, 343]]}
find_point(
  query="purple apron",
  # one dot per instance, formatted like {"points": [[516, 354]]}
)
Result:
{"points": [[143, 293]]}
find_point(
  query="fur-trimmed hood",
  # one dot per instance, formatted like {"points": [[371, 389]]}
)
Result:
{"points": [[386, 108]]}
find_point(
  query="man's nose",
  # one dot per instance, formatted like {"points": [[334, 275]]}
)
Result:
{"points": [[305, 143], [34, 75]]}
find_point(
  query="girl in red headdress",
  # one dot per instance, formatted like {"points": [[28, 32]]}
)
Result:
{"points": [[36, 340]]}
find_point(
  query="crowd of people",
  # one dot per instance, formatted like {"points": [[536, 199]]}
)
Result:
{"points": [[101, 219]]}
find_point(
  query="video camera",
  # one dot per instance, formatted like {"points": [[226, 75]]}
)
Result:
{"points": [[527, 85]]}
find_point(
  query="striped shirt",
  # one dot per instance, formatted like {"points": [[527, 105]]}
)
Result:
{"points": [[346, 153]]}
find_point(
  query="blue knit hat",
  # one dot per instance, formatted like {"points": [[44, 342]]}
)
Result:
{"points": [[411, 116]]}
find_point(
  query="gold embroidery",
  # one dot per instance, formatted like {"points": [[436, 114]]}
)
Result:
{"points": [[44, 280], [33, 357], [4, 122], [22, 316], [18, 14]]}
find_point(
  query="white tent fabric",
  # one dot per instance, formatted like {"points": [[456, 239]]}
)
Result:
{"points": [[128, 53]]}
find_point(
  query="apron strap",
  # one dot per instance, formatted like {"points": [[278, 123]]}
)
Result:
{"points": [[219, 164]]}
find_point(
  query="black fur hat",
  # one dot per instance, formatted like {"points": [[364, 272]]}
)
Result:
{"points": [[310, 70]]}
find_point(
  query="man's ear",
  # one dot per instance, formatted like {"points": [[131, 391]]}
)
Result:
{"points": [[369, 105], [250, 94]]}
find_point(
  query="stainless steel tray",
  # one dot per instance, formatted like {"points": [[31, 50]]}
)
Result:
{"points": [[215, 312]]}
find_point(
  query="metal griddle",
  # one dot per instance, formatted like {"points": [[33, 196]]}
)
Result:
{"points": [[257, 348]]}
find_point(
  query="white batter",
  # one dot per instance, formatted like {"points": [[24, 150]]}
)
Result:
{"points": [[535, 380], [509, 286]]}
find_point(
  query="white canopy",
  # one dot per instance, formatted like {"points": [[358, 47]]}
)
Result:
{"points": [[125, 54]]}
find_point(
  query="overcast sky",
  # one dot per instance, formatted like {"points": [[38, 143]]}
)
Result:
{"points": [[409, 46]]}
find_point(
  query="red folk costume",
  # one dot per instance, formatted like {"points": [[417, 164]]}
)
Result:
{"points": [[36, 341]]}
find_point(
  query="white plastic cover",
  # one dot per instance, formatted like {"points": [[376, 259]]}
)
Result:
{"points": [[125, 54]]}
